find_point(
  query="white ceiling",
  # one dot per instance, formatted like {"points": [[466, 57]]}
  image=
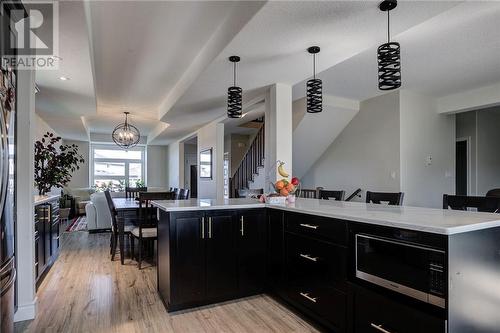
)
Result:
{"points": [[455, 51], [166, 62]]}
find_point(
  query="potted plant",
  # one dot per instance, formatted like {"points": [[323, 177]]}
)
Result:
{"points": [[54, 166], [140, 183]]}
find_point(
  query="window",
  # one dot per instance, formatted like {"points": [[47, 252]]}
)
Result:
{"points": [[115, 168]]}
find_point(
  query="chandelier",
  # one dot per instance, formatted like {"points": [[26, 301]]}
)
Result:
{"points": [[126, 135], [389, 55]]}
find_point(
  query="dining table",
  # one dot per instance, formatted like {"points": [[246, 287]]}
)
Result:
{"points": [[126, 209]]}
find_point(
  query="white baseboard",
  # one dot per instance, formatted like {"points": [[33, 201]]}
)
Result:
{"points": [[25, 311]]}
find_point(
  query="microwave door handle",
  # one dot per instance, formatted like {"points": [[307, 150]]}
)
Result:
{"points": [[379, 328]]}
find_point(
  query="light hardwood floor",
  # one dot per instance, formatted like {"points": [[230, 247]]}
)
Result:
{"points": [[86, 292]]}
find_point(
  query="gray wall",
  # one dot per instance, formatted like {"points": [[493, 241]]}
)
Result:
{"points": [[157, 166], [366, 154], [482, 127], [427, 151], [488, 151], [80, 178], [466, 129]]}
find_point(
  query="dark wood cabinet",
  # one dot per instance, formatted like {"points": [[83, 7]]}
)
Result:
{"points": [[203, 256], [251, 244], [374, 312], [221, 259], [188, 258], [316, 268], [47, 237], [275, 250]]}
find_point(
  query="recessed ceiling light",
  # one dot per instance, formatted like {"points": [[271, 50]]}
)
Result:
{"points": [[64, 78]]}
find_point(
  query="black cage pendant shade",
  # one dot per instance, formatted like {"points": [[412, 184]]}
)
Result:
{"points": [[234, 94], [314, 87], [389, 55], [126, 135]]}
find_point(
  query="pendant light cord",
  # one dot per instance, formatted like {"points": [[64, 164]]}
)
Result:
{"points": [[388, 27], [314, 66], [234, 74]]}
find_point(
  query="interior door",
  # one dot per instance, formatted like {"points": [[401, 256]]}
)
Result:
{"points": [[194, 181], [221, 255], [461, 167], [251, 238]]}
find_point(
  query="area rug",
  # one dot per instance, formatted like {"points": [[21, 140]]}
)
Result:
{"points": [[78, 224]]}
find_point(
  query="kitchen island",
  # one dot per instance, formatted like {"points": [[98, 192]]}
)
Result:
{"points": [[351, 267]]}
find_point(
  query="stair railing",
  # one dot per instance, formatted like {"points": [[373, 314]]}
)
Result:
{"points": [[249, 166]]}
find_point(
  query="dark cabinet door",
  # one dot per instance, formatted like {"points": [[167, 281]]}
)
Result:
{"points": [[187, 244], [46, 234], [376, 313], [221, 258], [54, 229], [251, 240], [275, 249]]}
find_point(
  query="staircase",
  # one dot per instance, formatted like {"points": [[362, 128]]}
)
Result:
{"points": [[249, 166]]}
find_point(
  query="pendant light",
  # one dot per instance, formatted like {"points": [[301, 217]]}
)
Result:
{"points": [[314, 87], [126, 135], [389, 55], [234, 109]]}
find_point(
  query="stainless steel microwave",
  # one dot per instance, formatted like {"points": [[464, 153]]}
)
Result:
{"points": [[412, 269]]}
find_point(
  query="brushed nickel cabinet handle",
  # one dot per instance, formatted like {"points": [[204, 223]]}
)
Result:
{"points": [[308, 257], [306, 295], [379, 328], [202, 228], [242, 229], [209, 227], [310, 226]]}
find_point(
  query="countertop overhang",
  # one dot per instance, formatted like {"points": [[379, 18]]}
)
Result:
{"points": [[432, 220], [41, 199]]}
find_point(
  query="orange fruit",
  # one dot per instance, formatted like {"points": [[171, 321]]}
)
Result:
{"points": [[279, 185], [284, 192], [290, 187]]}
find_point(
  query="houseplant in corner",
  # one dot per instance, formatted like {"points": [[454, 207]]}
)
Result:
{"points": [[54, 165]]}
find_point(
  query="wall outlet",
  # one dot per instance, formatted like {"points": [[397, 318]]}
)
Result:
{"points": [[428, 160]]}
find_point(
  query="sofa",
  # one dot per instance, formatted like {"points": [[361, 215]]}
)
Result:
{"points": [[82, 197], [97, 211]]}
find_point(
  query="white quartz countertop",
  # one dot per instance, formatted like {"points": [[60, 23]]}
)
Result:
{"points": [[438, 221], [41, 199]]}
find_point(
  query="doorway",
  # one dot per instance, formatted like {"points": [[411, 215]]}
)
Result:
{"points": [[462, 167], [193, 174], [190, 174]]}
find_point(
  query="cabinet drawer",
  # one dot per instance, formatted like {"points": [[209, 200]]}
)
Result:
{"points": [[328, 304], [329, 229], [312, 262], [375, 313]]}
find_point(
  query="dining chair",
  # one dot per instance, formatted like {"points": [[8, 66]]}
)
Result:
{"points": [[133, 192], [308, 193], [248, 193], [328, 194], [177, 193], [147, 220], [116, 223], [493, 193], [488, 204], [183, 194], [393, 199]]}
